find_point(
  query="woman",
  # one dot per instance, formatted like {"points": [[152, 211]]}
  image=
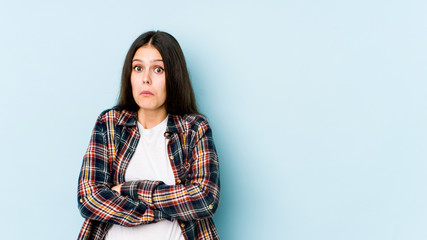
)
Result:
{"points": [[151, 169]]}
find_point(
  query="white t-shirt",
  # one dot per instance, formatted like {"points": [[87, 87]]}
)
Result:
{"points": [[149, 162]]}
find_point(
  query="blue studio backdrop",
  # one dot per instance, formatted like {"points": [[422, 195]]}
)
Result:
{"points": [[318, 110]]}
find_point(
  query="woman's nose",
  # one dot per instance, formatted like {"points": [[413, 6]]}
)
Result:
{"points": [[146, 78]]}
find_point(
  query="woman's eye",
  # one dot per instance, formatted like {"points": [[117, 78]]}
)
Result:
{"points": [[158, 70], [137, 68]]}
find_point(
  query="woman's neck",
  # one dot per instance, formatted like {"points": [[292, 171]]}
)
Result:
{"points": [[151, 118]]}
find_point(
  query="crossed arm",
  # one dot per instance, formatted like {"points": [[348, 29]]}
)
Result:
{"points": [[198, 195], [96, 200]]}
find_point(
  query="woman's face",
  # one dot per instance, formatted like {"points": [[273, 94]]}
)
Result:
{"points": [[148, 79]]}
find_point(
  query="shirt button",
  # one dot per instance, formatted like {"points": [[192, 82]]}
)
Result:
{"points": [[171, 157], [182, 225], [178, 181], [211, 207], [81, 200]]}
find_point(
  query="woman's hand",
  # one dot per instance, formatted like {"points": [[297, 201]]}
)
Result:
{"points": [[117, 188]]}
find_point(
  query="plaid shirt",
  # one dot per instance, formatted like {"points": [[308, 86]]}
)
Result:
{"points": [[192, 201]]}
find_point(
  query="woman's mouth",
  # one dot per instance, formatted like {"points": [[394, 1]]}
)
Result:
{"points": [[146, 93]]}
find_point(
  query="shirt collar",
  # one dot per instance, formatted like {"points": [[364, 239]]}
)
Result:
{"points": [[173, 124], [129, 118]]}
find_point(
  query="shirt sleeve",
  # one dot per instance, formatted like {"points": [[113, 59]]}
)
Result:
{"points": [[196, 198], [96, 200]]}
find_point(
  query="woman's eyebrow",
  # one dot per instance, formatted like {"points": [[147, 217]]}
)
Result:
{"points": [[139, 60]]}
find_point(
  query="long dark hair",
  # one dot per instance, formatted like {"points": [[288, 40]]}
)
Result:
{"points": [[180, 97]]}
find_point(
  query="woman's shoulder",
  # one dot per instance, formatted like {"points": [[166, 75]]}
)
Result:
{"points": [[189, 122], [115, 115]]}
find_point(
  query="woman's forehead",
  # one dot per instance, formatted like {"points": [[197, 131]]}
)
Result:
{"points": [[147, 54]]}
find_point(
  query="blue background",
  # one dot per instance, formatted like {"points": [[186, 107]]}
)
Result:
{"points": [[318, 110]]}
